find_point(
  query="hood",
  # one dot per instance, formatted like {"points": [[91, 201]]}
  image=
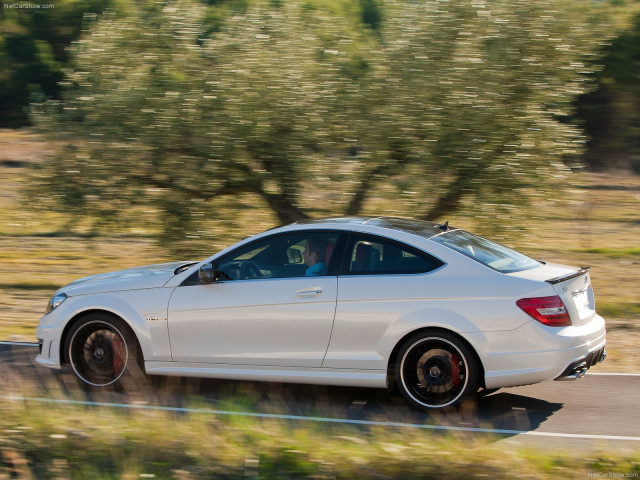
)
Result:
{"points": [[150, 276]]}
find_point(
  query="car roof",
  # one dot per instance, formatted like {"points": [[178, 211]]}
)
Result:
{"points": [[416, 227]]}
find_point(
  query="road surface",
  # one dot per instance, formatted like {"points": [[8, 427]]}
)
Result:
{"points": [[598, 412]]}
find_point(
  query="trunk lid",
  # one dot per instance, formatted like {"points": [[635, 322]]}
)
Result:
{"points": [[576, 292], [571, 284]]}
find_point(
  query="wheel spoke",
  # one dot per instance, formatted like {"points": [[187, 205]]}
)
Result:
{"points": [[434, 372]]}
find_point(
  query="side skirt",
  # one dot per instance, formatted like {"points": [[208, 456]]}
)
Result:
{"points": [[317, 376]]}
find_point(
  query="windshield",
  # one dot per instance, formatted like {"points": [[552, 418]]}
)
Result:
{"points": [[487, 252]]}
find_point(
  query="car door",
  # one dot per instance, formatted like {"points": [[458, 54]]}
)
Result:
{"points": [[262, 309], [381, 281]]}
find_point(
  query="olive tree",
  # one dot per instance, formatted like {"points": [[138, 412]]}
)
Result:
{"points": [[299, 113], [475, 100], [155, 113]]}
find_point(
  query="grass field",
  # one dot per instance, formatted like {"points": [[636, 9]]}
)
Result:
{"points": [[37, 441], [596, 222]]}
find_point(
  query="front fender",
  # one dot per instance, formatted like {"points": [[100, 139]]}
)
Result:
{"points": [[145, 311]]}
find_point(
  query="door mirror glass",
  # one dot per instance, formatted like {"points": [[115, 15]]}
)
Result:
{"points": [[206, 273]]}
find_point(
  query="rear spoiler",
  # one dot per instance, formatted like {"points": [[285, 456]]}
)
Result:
{"points": [[563, 278]]}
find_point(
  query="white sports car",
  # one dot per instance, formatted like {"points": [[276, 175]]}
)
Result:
{"points": [[435, 311]]}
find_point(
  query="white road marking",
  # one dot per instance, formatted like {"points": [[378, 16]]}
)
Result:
{"points": [[20, 344], [345, 421]]}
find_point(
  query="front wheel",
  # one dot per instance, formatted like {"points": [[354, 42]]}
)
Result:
{"points": [[100, 350], [436, 370]]}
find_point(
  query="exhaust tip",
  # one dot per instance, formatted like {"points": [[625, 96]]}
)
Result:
{"points": [[579, 368], [576, 372]]}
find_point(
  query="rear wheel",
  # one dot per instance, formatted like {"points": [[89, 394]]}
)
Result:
{"points": [[101, 350], [436, 370]]}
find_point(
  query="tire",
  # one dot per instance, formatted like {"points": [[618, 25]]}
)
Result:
{"points": [[102, 351], [436, 370]]}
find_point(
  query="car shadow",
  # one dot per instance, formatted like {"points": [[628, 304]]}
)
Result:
{"points": [[504, 413], [509, 411]]}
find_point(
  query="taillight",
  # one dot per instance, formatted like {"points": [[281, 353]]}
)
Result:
{"points": [[547, 310]]}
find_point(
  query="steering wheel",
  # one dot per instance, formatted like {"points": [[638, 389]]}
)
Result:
{"points": [[251, 270]]}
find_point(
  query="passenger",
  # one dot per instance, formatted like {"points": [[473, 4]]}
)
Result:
{"points": [[313, 252]]}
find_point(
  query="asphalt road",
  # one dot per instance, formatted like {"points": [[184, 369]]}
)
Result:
{"points": [[597, 412]]}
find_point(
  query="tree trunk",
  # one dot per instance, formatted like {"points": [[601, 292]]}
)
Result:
{"points": [[448, 203], [286, 211]]}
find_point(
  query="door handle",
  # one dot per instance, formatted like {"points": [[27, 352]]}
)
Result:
{"points": [[309, 292]]}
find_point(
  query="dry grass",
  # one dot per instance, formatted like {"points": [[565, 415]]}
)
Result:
{"points": [[595, 222], [56, 441]]}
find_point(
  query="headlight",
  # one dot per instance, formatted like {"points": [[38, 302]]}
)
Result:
{"points": [[55, 301]]}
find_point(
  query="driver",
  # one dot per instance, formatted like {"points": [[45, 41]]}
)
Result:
{"points": [[313, 252]]}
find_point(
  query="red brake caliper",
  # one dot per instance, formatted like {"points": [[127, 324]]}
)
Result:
{"points": [[455, 370], [119, 353]]}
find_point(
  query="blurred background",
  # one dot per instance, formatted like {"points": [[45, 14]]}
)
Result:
{"points": [[136, 132]]}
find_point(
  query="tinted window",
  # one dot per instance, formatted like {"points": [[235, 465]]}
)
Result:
{"points": [[487, 252], [281, 256], [376, 256]]}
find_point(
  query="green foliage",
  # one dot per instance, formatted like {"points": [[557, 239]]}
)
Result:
{"points": [[371, 13], [466, 102], [445, 106], [164, 116], [32, 50], [611, 113]]}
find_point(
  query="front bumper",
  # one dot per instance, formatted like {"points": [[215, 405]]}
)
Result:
{"points": [[45, 357], [48, 335]]}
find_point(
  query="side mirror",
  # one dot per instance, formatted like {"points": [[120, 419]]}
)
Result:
{"points": [[207, 273], [294, 255]]}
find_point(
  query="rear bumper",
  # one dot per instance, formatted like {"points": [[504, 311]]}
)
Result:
{"points": [[578, 368], [534, 353]]}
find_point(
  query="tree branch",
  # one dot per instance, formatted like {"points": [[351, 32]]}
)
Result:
{"points": [[285, 210], [361, 193], [398, 156], [228, 188]]}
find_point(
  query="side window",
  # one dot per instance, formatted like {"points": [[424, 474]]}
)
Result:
{"points": [[377, 256], [296, 254]]}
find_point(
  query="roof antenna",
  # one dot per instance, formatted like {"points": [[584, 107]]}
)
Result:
{"points": [[444, 227]]}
